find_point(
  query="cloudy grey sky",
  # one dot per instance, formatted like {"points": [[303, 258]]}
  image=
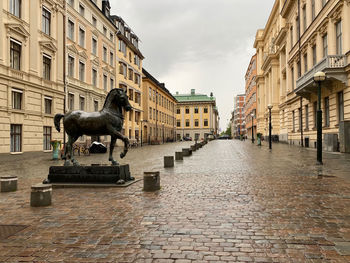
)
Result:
{"points": [[197, 44]]}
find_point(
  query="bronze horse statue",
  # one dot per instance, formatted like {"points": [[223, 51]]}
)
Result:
{"points": [[108, 121]]}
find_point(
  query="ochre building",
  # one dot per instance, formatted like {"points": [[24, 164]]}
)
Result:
{"points": [[31, 74], [158, 106], [239, 124], [250, 99], [196, 116]]}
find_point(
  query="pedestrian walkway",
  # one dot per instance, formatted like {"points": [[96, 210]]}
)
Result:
{"points": [[231, 201]]}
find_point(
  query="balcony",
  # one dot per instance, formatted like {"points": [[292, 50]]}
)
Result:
{"points": [[333, 66]]}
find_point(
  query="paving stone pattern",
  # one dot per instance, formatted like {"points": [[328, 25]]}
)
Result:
{"points": [[228, 202]]}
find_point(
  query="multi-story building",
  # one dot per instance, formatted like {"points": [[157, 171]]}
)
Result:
{"points": [[31, 75], [158, 106], [91, 55], [250, 104], [129, 61], [239, 124], [196, 116], [301, 38]]}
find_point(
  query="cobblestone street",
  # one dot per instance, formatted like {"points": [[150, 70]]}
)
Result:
{"points": [[230, 201]]}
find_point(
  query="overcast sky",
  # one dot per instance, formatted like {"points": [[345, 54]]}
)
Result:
{"points": [[197, 44]]}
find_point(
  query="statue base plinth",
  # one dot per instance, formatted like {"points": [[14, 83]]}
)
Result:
{"points": [[95, 174]]}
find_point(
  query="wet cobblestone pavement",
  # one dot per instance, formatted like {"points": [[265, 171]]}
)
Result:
{"points": [[229, 202]]}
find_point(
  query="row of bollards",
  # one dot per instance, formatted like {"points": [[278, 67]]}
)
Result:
{"points": [[151, 180], [40, 194]]}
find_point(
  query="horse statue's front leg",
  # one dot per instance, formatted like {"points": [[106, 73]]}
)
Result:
{"points": [[126, 146], [111, 148]]}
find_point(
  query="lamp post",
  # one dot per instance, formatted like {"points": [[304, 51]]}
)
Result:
{"points": [[163, 132], [252, 115], [318, 78], [270, 126], [142, 121]]}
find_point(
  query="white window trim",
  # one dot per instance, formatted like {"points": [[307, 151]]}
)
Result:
{"points": [[16, 90], [47, 97], [15, 41]]}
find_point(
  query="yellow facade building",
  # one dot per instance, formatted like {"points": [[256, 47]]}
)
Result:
{"points": [[197, 116], [31, 73], [158, 111], [308, 36]]}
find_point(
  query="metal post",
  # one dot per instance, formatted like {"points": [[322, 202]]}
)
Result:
{"points": [[141, 133], [252, 130], [319, 125], [270, 129]]}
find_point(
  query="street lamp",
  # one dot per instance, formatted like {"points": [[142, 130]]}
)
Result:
{"points": [[318, 78], [270, 126], [252, 115], [142, 121]]}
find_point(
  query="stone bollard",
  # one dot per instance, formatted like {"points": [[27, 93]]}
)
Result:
{"points": [[193, 148], [186, 152], [168, 161], [178, 156], [151, 181], [41, 195], [8, 183]]}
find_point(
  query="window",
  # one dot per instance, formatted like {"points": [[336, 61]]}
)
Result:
{"points": [[46, 21], [105, 82], [130, 59], [70, 29], [48, 105], [293, 116], [306, 117], [15, 7], [291, 37], [81, 37], [196, 110], [196, 123], [131, 74], [94, 46], [95, 105], [105, 54], [187, 111], [71, 3], [150, 93], [81, 71], [111, 58], [70, 66], [17, 96], [111, 37], [94, 77], [71, 101], [94, 21], [15, 54], [81, 9], [305, 62], [178, 123], [47, 138], [340, 96], [304, 18], [300, 119], [314, 56], [130, 115], [46, 67], [205, 110], [131, 94], [325, 45], [205, 123], [292, 77], [339, 44], [178, 111], [150, 113], [111, 83], [313, 10], [297, 21], [187, 123], [82, 103], [122, 47], [299, 69], [326, 111], [137, 78], [16, 138], [104, 30], [315, 113]]}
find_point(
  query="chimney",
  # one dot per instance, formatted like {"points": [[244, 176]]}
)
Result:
{"points": [[193, 91]]}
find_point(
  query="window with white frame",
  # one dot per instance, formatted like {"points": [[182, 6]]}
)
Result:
{"points": [[70, 66], [325, 45], [15, 54], [94, 21], [16, 7], [47, 135], [17, 99], [16, 138], [70, 29], [48, 104], [105, 82], [81, 37], [105, 54], [94, 77], [46, 21], [339, 44], [94, 46], [81, 71], [81, 10]]}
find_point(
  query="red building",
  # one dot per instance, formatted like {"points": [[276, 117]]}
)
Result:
{"points": [[238, 116]]}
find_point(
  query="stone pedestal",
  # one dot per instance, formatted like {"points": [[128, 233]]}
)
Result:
{"points": [[168, 161], [178, 156], [41, 195], [8, 183], [185, 152], [151, 181]]}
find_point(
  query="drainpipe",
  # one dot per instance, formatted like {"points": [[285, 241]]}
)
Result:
{"points": [[64, 68], [301, 98]]}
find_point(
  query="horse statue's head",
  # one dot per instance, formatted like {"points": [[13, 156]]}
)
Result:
{"points": [[117, 98]]}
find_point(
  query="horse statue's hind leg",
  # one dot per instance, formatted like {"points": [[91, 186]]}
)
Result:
{"points": [[111, 148], [118, 135], [69, 150]]}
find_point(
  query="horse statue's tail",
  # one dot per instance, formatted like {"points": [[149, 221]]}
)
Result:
{"points": [[57, 120]]}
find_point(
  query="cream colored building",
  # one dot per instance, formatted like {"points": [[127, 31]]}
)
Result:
{"points": [[129, 76], [31, 75], [196, 116], [309, 37], [158, 111]]}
